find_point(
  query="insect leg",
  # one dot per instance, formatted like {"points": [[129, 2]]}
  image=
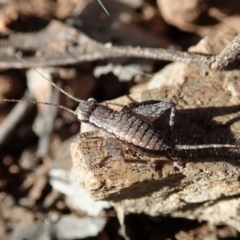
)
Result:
{"points": [[115, 148], [130, 106], [152, 112], [90, 134], [183, 170], [172, 116]]}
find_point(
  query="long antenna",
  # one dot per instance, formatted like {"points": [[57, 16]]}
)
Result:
{"points": [[19, 56], [45, 103], [103, 7]]}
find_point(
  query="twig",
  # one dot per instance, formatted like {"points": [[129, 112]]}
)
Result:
{"points": [[49, 116], [13, 118], [229, 54]]}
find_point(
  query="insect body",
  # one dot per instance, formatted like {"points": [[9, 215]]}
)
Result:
{"points": [[123, 125]]}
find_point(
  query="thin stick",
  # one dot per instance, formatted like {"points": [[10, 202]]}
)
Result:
{"points": [[46, 124], [229, 54], [11, 120], [103, 7]]}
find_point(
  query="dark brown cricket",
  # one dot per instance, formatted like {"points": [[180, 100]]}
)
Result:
{"points": [[123, 125]]}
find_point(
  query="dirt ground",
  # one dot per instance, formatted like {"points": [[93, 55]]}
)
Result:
{"points": [[73, 44]]}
